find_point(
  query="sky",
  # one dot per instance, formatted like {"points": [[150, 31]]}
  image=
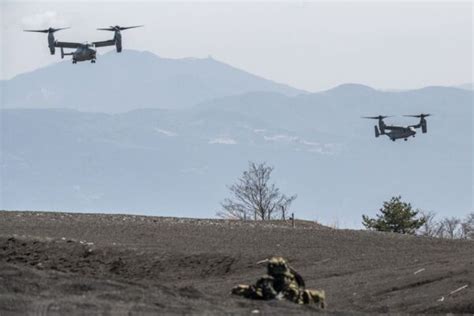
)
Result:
{"points": [[309, 45]]}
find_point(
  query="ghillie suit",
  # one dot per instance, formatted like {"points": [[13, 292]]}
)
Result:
{"points": [[281, 282]]}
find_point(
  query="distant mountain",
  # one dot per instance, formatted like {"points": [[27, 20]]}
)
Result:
{"points": [[131, 80], [178, 162]]}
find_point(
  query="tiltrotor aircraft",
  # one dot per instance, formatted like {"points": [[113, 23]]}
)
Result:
{"points": [[84, 51], [398, 132]]}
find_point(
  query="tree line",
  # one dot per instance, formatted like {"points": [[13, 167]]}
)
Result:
{"points": [[400, 217], [254, 197]]}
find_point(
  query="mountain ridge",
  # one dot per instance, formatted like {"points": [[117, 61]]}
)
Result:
{"points": [[321, 149], [149, 81]]}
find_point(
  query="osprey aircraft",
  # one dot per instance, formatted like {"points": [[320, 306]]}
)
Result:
{"points": [[84, 51], [395, 132]]}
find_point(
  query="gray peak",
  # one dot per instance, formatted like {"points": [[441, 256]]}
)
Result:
{"points": [[351, 88], [132, 80]]}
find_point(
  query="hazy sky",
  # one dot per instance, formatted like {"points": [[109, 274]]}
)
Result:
{"points": [[309, 45]]}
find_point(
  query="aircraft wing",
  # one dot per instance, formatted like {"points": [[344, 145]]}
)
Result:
{"points": [[67, 44], [395, 128], [104, 43]]}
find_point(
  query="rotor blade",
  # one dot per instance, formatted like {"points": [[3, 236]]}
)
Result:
{"points": [[50, 30], [129, 27], [419, 115], [39, 31], [59, 29], [118, 28], [376, 117]]}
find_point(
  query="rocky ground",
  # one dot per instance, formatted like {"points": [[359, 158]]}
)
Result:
{"points": [[58, 263]]}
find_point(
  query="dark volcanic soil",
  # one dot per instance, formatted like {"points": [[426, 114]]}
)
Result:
{"points": [[56, 263]]}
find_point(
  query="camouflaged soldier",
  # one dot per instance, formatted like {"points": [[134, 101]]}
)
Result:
{"points": [[281, 282]]}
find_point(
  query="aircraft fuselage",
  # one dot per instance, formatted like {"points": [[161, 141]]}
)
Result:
{"points": [[83, 54], [401, 133]]}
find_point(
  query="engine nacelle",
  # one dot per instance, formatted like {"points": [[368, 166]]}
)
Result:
{"points": [[118, 41], [424, 127], [377, 134], [51, 42], [381, 126]]}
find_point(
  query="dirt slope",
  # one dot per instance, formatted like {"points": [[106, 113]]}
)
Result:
{"points": [[55, 263]]}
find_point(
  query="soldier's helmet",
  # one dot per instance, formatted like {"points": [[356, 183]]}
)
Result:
{"points": [[277, 266]]}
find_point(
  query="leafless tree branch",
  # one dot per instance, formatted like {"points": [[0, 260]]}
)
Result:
{"points": [[254, 197]]}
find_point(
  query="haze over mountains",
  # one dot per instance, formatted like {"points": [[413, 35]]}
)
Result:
{"points": [[467, 86], [187, 128], [131, 80]]}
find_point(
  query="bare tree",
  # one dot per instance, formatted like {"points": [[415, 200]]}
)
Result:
{"points": [[451, 228], [448, 227], [254, 197], [467, 227], [431, 227]]}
